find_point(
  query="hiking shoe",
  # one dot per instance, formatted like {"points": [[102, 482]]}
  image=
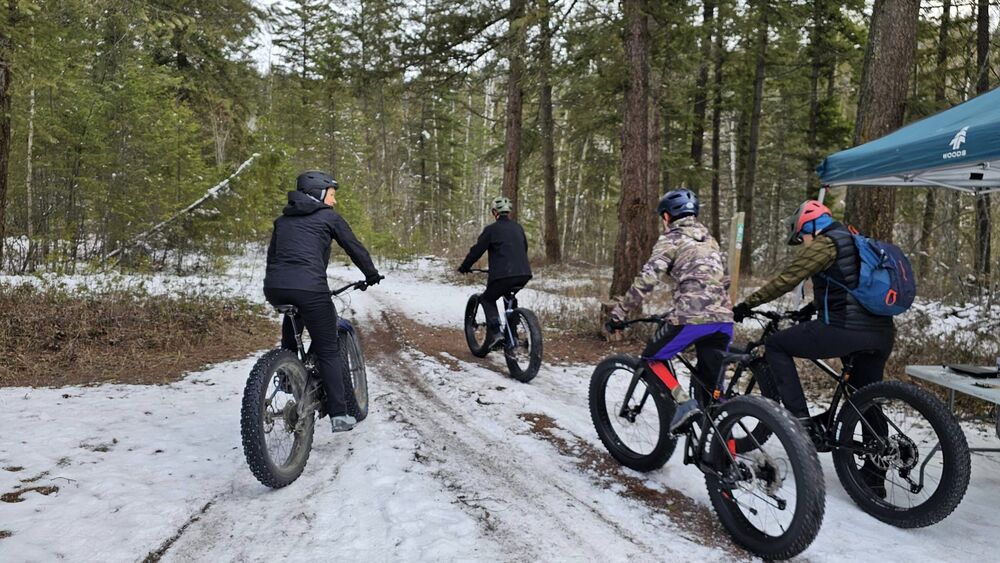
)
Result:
{"points": [[494, 338], [685, 414], [343, 423], [874, 478]]}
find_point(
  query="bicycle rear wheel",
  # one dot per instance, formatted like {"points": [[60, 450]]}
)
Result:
{"points": [[900, 455], [771, 499], [277, 435], [632, 425], [475, 327], [524, 357]]}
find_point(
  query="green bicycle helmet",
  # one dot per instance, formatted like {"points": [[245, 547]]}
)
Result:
{"points": [[501, 205]]}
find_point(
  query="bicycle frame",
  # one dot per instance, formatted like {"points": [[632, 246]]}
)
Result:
{"points": [[843, 392], [313, 383], [509, 304], [696, 434]]}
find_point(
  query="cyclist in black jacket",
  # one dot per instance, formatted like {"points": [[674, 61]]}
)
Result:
{"points": [[508, 259], [297, 258]]}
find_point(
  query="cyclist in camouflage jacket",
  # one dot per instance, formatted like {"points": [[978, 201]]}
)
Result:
{"points": [[688, 258]]}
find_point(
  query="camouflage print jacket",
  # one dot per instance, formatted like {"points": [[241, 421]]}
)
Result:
{"points": [[687, 257]]}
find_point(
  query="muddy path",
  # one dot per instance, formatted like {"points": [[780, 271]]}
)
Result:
{"points": [[475, 462]]}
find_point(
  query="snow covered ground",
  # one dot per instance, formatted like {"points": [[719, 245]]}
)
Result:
{"points": [[456, 462]]}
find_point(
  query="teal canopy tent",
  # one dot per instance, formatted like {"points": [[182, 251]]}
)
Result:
{"points": [[958, 148]]}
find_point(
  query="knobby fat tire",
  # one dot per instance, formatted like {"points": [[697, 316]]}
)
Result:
{"points": [[810, 490], [601, 418], [954, 449], [252, 422], [535, 354], [478, 349]]}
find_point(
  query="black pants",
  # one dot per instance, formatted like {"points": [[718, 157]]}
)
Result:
{"points": [[709, 340], [815, 340], [320, 316], [495, 290]]}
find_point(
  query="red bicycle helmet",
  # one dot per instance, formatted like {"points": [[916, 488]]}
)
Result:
{"points": [[807, 212]]}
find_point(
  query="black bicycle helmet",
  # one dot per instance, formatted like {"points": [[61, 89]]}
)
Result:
{"points": [[678, 203], [314, 183]]}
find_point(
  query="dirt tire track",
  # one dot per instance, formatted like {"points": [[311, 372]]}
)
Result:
{"points": [[205, 527], [486, 466]]}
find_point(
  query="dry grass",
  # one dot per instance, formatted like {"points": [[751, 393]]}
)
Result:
{"points": [[53, 337]]}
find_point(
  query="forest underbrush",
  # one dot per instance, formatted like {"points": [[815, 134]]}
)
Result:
{"points": [[53, 337]]}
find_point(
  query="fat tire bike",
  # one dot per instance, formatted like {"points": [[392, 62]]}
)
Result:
{"points": [[522, 335], [889, 427], [284, 397], [769, 495]]}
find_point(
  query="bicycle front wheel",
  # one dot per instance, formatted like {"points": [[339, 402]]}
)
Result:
{"points": [[771, 498], [631, 412], [357, 376], [277, 435], [901, 455], [524, 353], [475, 327]]}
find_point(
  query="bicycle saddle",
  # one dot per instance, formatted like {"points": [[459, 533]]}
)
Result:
{"points": [[732, 358], [513, 291], [287, 309]]}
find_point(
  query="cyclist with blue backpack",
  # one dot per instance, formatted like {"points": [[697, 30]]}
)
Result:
{"points": [[852, 294]]}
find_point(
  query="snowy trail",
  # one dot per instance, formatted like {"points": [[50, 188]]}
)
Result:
{"points": [[456, 462]]}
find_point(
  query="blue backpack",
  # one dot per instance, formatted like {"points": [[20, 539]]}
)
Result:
{"points": [[886, 285]]}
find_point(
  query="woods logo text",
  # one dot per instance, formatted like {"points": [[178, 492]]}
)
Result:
{"points": [[956, 143]]}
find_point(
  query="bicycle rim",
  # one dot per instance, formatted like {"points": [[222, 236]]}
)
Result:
{"points": [[893, 451], [638, 430], [281, 420], [759, 486], [520, 352]]}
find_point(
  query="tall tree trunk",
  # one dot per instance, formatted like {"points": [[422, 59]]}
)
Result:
{"points": [[701, 95], [941, 102], [552, 250], [716, 128], [889, 58], [28, 178], [983, 219], [6, 53], [748, 178], [512, 139], [817, 55], [634, 243], [654, 161]]}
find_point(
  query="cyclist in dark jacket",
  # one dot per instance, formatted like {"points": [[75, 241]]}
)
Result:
{"points": [[508, 259], [844, 327], [297, 259]]}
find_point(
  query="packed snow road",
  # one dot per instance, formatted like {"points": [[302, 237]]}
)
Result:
{"points": [[455, 462]]}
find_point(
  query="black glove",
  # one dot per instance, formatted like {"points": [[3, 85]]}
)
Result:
{"points": [[741, 312], [805, 314], [614, 325], [374, 279], [464, 269]]}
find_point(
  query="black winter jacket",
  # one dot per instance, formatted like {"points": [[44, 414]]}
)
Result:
{"points": [[508, 247], [300, 245]]}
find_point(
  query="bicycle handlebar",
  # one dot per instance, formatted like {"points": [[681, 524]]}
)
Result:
{"points": [[770, 315], [362, 285]]}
